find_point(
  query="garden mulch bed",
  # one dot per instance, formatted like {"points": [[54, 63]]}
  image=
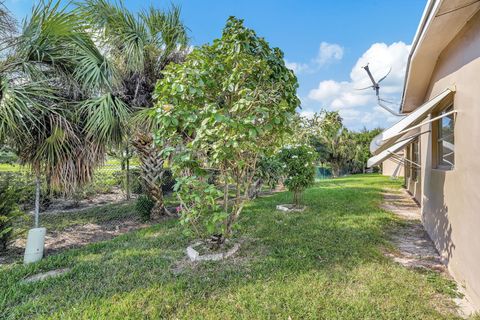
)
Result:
{"points": [[62, 205], [75, 236]]}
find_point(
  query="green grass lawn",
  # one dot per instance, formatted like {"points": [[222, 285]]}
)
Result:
{"points": [[5, 167], [325, 263]]}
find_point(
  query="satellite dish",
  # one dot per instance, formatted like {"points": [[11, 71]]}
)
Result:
{"points": [[376, 87]]}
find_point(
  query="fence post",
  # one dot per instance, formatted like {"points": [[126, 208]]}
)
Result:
{"points": [[127, 180], [37, 199]]}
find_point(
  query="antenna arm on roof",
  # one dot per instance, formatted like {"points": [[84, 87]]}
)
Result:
{"points": [[381, 104]]}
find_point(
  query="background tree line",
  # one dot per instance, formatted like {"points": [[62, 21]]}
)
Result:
{"points": [[344, 151]]}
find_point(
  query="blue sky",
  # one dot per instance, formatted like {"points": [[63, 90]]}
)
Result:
{"points": [[325, 42]]}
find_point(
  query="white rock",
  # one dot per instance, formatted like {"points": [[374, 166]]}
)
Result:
{"points": [[192, 254], [195, 256], [45, 275], [288, 208]]}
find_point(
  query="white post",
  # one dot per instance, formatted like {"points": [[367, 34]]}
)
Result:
{"points": [[37, 199], [36, 236]]}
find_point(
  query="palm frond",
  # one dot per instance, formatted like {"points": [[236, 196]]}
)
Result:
{"points": [[167, 31], [145, 119], [45, 34], [106, 119], [7, 27], [124, 34], [93, 70], [19, 107]]}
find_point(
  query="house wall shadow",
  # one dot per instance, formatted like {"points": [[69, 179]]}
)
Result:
{"points": [[435, 216]]}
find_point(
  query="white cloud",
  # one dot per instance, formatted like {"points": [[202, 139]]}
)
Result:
{"points": [[326, 89], [295, 66], [339, 95], [381, 57], [349, 115], [358, 107], [327, 53]]}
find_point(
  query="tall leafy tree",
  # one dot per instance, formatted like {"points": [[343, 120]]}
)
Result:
{"points": [[362, 153], [229, 104], [135, 49], [332, 141]]}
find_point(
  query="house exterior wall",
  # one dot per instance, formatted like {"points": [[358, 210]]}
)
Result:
{"points": [[389, 166], [451, 198]]}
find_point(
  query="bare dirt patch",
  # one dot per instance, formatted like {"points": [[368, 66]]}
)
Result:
{"points": [[415, 248]]}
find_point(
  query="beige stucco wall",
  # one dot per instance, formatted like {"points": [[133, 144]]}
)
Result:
{"points": [[389, 166], [451, 199]]}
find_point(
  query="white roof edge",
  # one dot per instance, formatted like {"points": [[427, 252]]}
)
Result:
{"points": [[388, 137], [384, 155], [424, 22]]}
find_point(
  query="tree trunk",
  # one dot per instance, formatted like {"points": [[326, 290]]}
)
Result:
{"points": [[152, 171], [297, 198], [255, 189], [335, 170], [236, 210]]}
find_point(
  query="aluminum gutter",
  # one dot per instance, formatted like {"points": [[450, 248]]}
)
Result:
{"points": [[389, 136], [379, 158]]}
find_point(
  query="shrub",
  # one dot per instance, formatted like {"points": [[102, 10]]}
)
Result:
{"points": [[24, 186], [144, 206], [9, 212], [299, 169], [221, 110], [168, 182], [7, 156]]}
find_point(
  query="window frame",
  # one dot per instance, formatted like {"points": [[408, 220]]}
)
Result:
{"points": [[408, 171], [437, 138], [415, 158]]}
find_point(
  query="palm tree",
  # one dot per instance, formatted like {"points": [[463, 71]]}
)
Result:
{"points": [[44, 95], [69, 82], [137, 48]]}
